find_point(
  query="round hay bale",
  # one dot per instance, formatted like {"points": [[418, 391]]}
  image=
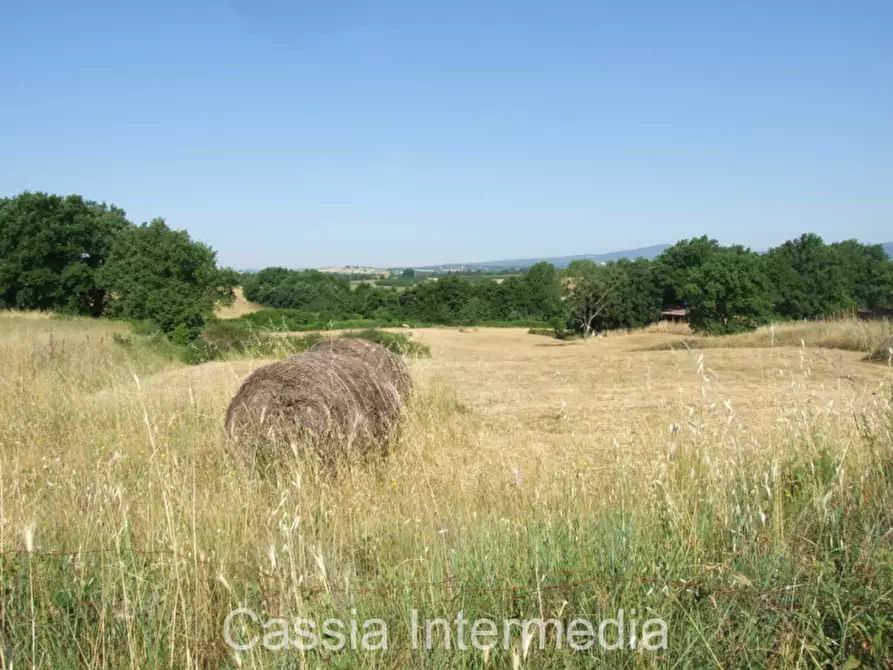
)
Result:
{"points": [[340, 396], [383, 362], [884, 351]]}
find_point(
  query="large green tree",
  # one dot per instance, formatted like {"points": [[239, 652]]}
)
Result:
{"points": [[635, 298], [158, 274], [587, 293], [729, 292], [619, 294], [676, 266], [51, 248], [866, 271], [807, 280], [542, 293]]}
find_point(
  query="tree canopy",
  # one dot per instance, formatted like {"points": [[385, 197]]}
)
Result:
{"points": [[729, 292], [50, 250], [159, 274]]}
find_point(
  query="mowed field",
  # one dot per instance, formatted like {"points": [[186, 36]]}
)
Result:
{"points": [[738, 495]]}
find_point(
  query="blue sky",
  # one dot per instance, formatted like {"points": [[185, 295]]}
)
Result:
{"points": [[403, 132]]}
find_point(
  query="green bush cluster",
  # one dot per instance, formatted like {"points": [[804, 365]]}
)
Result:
{"points": [[312, 298], [222, 339], [399, 343]]}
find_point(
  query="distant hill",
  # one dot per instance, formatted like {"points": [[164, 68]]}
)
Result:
{"points": [[561, 261], [888, 247]]}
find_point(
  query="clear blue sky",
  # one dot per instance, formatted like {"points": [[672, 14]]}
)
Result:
{"points": [[410, 132]]}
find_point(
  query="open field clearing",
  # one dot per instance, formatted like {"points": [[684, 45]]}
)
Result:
{"points": [[241, 306], [739, 495]]}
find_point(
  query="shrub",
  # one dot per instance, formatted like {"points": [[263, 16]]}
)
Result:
{"points": [[884, 351], [557, 333], [182, 335], [230, 338], [399, 343]]}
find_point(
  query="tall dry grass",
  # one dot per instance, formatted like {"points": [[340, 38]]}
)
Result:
{"points": [[129, 530], [845, 334]]}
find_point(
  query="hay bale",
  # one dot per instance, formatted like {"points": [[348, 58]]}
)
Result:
{"points": [[884, 351], [383, 362], [340, 396]]}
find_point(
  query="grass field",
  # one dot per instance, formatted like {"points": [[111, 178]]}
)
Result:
{"points": [[739, 494]]}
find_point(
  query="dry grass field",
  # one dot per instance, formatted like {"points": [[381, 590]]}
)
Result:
{"points": [[740, 494]]}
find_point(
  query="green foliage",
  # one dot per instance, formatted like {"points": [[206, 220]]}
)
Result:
{"points": [[808, 282], [51, 249], [158, 274], [311, 300], [802, 279], [866, 272], [587, 293], [729, 293], [399, 343], [674, 269], [308, 290], [618, 294], [295, 320], [557, 333], [181, 335], [222, 339]]}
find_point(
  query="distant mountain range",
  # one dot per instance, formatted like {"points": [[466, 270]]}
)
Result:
{"points": [[563, 261], [559, 261]]}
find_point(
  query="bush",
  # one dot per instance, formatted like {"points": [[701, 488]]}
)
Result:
{"points": [[227, 334], [557, 333], [231, 337], [182, 335], [399, 343]]}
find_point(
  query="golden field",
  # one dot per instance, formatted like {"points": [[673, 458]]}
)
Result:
{"points": [[739, 493]]}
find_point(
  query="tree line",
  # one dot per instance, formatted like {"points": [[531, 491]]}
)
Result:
{"points": [[725, 289], [76, 256], [80, 257]]}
